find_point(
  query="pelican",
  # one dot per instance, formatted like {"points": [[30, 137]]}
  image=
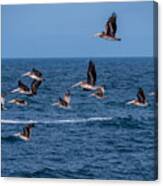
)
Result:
{"points": [[3, 102], [25, 135], [91, 79], [34, 74], [100, 92], [18, 102], [141, 99], [22, 89], [110, 29], [65, 101]]}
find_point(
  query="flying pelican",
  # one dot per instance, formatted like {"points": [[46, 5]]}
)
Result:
{"points": [[141, 99], [65, 101], [22, 89], [110, 29], [25, 135], [3, 102], [34, 74], [100, 92], [91, 78], [18, 102]]}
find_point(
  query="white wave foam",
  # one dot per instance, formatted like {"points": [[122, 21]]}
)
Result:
{"points": [[79, 120]]}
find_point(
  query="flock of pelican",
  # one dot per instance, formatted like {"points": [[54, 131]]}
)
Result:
{"points": [[89, 85], [37, 79], [98, 91], [24, 89]]}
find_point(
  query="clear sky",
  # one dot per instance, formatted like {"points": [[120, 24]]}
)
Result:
{"points": [[67, 30]]}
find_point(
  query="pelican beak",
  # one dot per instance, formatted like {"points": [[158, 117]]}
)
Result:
{"points": [[75, 85], [26, 74], [15, 90], [12, 101]]}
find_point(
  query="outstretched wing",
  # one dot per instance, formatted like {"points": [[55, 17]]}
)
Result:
{"points": [[62, 102], [23, 86], [25, 132], [91, 74], [141, 95], [35, 85], [111, 26]]}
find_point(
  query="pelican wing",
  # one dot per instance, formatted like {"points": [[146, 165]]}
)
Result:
{"points": [[141, 95], [27, 130], [63, 102], [24, 133], [23, 86], [67, 98], [35, 85], [91, 74], [111, 26]]}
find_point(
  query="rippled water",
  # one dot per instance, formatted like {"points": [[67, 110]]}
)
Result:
{"points": [[93, 139]]}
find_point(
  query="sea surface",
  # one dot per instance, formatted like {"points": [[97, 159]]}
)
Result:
{"points": [[93, 139]]}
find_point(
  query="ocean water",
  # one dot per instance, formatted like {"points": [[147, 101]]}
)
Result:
{"points": [[93, 139]]}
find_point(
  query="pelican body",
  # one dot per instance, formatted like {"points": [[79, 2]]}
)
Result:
{"points": [[20, 102], [65, 101], [91, 79]]}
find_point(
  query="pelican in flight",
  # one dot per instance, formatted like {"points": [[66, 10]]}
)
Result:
{"points": [[100, 93], [110, 29], [26, 134], [65, 101], [91, 79], [20, 102], [141, 99], [3, 102], [34, 74], [22, 89]]}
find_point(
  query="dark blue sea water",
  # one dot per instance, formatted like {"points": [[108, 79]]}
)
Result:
{"points": [[94, 139]]}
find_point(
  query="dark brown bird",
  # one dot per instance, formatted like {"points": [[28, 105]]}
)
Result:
{"points": [[91, 79]]}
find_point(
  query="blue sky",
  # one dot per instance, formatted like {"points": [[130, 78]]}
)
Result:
{"points": [[67, 30]]}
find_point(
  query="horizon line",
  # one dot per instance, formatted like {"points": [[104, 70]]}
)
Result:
{"points": [[79, 57]]}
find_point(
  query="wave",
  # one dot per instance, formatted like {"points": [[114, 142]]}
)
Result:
{"points": [[78, 120]]}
